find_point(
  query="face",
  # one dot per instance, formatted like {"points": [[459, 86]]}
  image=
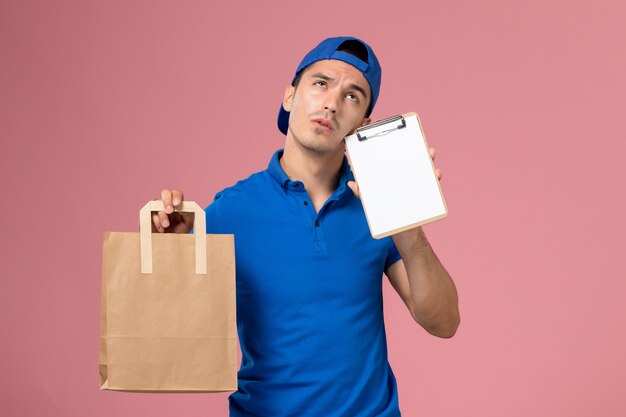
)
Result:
{"points": [[328, 104]]}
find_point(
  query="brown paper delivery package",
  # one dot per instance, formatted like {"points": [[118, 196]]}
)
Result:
{"points": [[168, 309]]}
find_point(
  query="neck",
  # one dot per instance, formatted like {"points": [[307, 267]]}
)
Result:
{"points": [[319, 172]]}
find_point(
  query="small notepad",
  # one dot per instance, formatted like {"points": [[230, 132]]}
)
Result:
{"points": [[391, 164]]}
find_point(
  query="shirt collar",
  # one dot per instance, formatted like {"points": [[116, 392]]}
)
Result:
{"points": [[277, 172]]}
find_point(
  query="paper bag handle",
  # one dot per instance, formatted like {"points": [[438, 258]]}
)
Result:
{"points": [[145, 231]]}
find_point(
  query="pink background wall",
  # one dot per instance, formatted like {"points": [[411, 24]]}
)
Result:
{"points": [[102, 104]]}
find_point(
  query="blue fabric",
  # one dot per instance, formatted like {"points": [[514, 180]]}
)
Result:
{"points": [[309, 300]]}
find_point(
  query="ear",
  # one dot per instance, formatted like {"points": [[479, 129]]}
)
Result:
{"points": [[288, 97]]}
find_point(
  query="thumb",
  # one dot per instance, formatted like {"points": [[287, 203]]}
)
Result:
{"points": [[355, 188]]}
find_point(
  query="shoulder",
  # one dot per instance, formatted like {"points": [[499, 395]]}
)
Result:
{"points": [[230, 205], [246, 194], [256, 184]]}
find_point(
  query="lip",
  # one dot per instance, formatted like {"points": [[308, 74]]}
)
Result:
{"points": [[324, 124]]}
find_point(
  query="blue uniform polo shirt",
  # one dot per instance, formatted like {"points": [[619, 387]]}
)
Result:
{"points": [[309, 300]]}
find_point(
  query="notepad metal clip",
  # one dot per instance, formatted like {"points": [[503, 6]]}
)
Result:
{"points": [[381, 127]]}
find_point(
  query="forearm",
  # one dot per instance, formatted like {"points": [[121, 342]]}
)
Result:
{"points": [[434, 295]]}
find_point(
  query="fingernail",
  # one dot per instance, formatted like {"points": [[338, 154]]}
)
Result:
{"points": [[165, 223], [176, 201], [169, 208]]}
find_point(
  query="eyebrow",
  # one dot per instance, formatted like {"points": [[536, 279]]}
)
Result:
{"points": [[353, 86]]}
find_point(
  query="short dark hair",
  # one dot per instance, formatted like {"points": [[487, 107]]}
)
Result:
{"points": [[354, 48]]}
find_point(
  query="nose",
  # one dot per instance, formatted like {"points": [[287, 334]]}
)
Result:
{"points": [[331, 102]]}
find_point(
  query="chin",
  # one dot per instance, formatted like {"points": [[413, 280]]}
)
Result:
{"points": [[320, 144], [323, 147]]}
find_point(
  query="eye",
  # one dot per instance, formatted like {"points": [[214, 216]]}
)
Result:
{"points": [[352, 97], [320, 83]]}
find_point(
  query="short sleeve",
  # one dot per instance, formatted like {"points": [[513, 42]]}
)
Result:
{"points": [[210, 212], [392, 254]]}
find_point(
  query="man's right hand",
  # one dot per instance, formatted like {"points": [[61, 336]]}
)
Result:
{"points": [[170, 221]]}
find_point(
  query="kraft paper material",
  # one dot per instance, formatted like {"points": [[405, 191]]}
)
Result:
{"points": [[170, 330]]}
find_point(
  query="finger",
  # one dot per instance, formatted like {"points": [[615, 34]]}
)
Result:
{"points": [[156, 220], [187, 219], [355, 188], [433, 152], [166, 197], [438, 173], [164, 220], [177, 197]]}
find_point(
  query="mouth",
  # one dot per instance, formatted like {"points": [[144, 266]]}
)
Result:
{"points": [[324, 124]]}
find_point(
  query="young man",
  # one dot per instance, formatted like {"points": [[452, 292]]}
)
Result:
{"points": [[309, 274]]}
